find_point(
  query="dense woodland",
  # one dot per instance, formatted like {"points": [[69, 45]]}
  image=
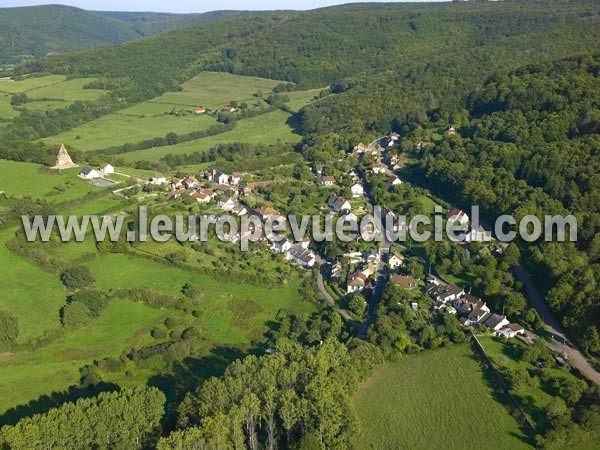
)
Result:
{"points": [[518, 80]]}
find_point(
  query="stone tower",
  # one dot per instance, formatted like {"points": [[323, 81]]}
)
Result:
{"points": [[63, 160]]}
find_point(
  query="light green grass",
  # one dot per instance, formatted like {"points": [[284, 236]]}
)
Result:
{"points": [[213, 90], [33, 295], [25, 179], [29, 84], [299, 99], [70, 90], [264, 129], [27, 376], [118, 129], [6, 109], [435, 400], [45, 105]]}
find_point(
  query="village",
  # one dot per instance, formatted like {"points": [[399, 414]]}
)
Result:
{"points": [[365, 272]]}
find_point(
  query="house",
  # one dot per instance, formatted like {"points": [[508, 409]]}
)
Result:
{"points": [[396, 260], [106, 169], [89, 174], [302, 256], [201, 197], [370, 256], [282, 246], [350, 217], [477, 317], [404, 281], [328, 181], [190, 182], [158, 179], [226, 203], [378, 168], [318, 169], [451, 130], [305, 242], [220, 178], [456, 215], [236, 178], [339, 203], [479, 235], [239, 210], [175, 184], [389, 141], [177, 193], [450, 310], [495, 322], [336, 270], [228, 109], [445, 293], [393, 180], [511, 330], [357, 190], [359, 150], [199, 110], [267, 213], [356, 282]]}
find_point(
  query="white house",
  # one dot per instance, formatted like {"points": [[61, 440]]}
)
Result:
{"points": [[456, 215], [496, 322], [201, 197], [282, 246], [226, 203], [393, 180], [479, 235], [89, 173], [236, 178], [240, 210], [158, 179], [355, 282], [396, 260], [339, 204], [357, 190], [378, 168], [221, 178], [106, 169], [328, 181]]}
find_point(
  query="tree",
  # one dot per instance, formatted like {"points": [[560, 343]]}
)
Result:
{"points": [[591, 340], [96, 301], [357, 304], [75, 315], [511, 254], [77, 277], [9, 328]]}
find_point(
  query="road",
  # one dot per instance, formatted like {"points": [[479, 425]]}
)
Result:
{"points": [[329, 299], [382, 270], [576, 358]]}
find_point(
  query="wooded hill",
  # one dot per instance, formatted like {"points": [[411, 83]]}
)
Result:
{"points": [[39, 30]]}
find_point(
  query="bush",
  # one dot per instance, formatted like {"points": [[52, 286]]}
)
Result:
{"points": [[9, 327], [77, 277], [95, 300], [75, 315]]}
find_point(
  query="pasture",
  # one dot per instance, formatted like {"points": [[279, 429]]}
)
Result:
{"points": [[29, 84], [264, 129], [122, 128], [214, 90], [433, 400]]}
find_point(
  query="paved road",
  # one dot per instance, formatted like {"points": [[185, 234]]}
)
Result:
{"points": [[562, 341], [329, 299]]}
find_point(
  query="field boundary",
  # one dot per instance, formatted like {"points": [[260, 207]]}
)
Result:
{"points": [[516, 407]]}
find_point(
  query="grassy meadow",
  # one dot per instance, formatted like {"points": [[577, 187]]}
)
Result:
{"points": [[264, 129], [434, 400]]}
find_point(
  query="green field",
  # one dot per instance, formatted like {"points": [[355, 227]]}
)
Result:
{"points": [[299, 99], [29, 84], [264, 129], [25, 376], [213, 90], [435, 400], [121, 128], [6, 109], [25, 179]]}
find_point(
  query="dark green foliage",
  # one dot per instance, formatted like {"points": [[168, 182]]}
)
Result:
{"points": [[275, 399], [9, 328], [113, 420], [77, 277], [75, 315], [96, 301]]}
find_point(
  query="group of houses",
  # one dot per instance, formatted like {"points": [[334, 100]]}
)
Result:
{"points": [[472, 311], [366, 263], [297, 252], [104, 170]]}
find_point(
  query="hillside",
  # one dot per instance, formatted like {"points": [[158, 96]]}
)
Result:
{"points": [[29, 32]]}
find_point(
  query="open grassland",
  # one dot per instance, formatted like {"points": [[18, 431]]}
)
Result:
{"points": [[70, 90], [6, 109], [433, 400], [25, 376], [33, 180], [33, 295], [299, 99], [214, 90], [120, 128], [29, 84], [264, 129]]}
